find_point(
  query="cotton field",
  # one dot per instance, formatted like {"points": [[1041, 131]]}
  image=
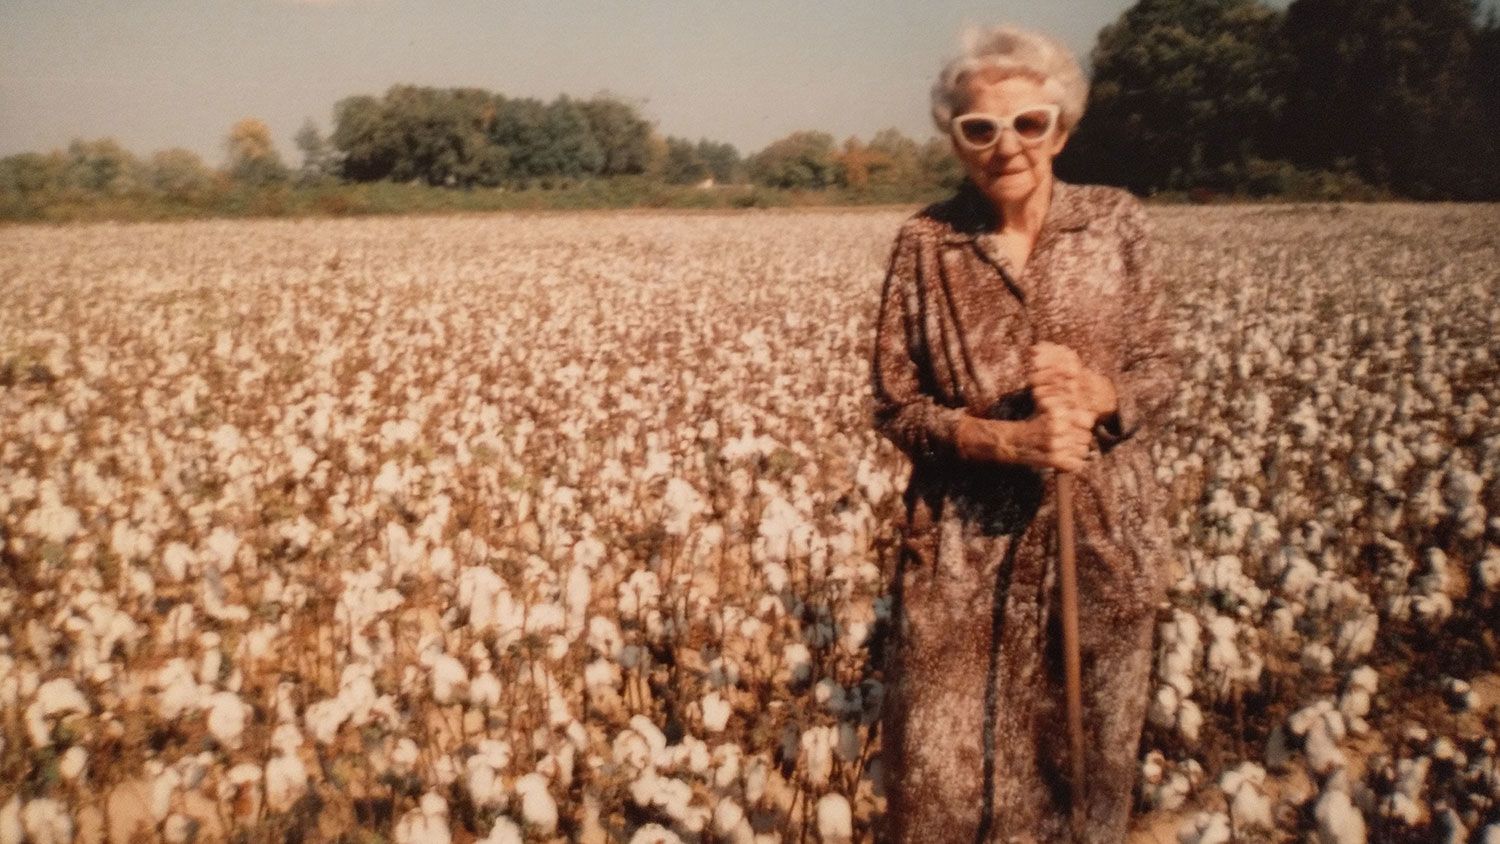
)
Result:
{"points": [[573, 527]]}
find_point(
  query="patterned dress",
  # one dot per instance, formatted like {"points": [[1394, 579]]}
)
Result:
{"points": [[974, 737]]}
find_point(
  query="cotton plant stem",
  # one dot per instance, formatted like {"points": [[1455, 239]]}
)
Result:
{"points": [[1068, 585]]}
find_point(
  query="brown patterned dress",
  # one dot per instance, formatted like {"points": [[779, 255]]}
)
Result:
{"points": [[974, 744]]}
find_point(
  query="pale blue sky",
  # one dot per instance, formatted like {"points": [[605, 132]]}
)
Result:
{"points": [[159, 73]]}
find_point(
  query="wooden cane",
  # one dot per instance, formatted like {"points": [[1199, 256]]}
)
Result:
{"points": [[1068, 585]]}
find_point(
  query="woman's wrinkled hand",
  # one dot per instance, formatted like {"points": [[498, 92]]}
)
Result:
{"points": [[1060, 381], [1059, 439]]}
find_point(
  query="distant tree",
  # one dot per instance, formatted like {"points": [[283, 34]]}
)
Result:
{"points": [[571, 151], [1184, 93], [683, 166], [367, 143], [623, 136], [253, 159], [721, 159], [854, 162], [102, 166], [938, 165], [1399, 88], [895, 159], [180, 174], [800, 160], [29, 181], [319, 158]]}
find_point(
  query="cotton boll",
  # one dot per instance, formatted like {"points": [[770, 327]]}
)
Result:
{"points": [[538, 809], [46, 821], [1338, 820], [1189, 721], [816, 757], [797, 663], [1205, 828], [286, 780], [55, 700], [716, 712], [652, 833], [504, 831], [426, 824], [227, 715], [72, 763], [835, 820]]}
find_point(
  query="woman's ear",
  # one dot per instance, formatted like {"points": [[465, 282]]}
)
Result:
{"points": [[1061, 140]]}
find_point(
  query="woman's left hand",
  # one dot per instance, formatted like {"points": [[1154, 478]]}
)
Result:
{"points": [[1059, 380]]}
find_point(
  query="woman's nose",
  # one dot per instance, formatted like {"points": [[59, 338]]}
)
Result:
{"points": [[1009, 143]]}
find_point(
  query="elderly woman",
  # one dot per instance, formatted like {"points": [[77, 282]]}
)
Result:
{"points": [[1020, 331]]}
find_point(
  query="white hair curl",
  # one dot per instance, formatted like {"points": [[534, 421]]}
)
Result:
{"points": [[1013, 52]]}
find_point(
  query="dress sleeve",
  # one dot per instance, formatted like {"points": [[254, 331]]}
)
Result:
{"points": [[904, 412], [1149, 371]]}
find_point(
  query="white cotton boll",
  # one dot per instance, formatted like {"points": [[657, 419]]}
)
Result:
{"points": [[816, 757], [1317, 658], [835, 820], [485, 690], [426, 824], [716, 712], [1356, 637], [11, 830], [72, 763], [1338, 820], [729, 821], [1170, 793], [1250, 809], [797, 663], [1205, 828], [485, 786], [1189, 721], [325, 717], [655, 739], [227, 715], [448, 677], [1491, 834], [1487, 571], [404, 756], [538, 809], [46, 821], [504, 831], [55, 699], [653, 833], [286, 780], [1321, 746]]}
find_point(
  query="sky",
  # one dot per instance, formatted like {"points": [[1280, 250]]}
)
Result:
{"points": [[161, 73]]}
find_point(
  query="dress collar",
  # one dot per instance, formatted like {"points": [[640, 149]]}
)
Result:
{"points": [[971, 216]]}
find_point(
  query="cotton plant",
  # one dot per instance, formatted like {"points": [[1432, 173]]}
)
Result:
{"points": [[554, 542]]}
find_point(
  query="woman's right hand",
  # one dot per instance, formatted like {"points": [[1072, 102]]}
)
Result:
{"points": [[1051, 439]]}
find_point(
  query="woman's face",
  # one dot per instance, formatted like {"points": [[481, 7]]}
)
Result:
{"points": [[1008, 171]]}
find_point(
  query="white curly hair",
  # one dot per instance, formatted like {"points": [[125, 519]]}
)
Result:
{"points": [[1012, 51]]}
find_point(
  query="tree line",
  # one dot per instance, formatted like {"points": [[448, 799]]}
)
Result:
{"points": [[1328, 99], [1340, 97]]}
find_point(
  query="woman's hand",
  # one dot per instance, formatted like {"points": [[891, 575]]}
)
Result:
{"points": [[1060, 381], [1059, 438]]}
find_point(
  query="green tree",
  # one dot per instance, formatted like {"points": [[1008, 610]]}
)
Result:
{"points": [[253, 159], [623, 136], [938, 165], [1184, 93], [895, 159], [367, 143], [682, 165], [721, 159], [102, 167], [180, 174], [319, 159], [1398, 88], [800, 160]]}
